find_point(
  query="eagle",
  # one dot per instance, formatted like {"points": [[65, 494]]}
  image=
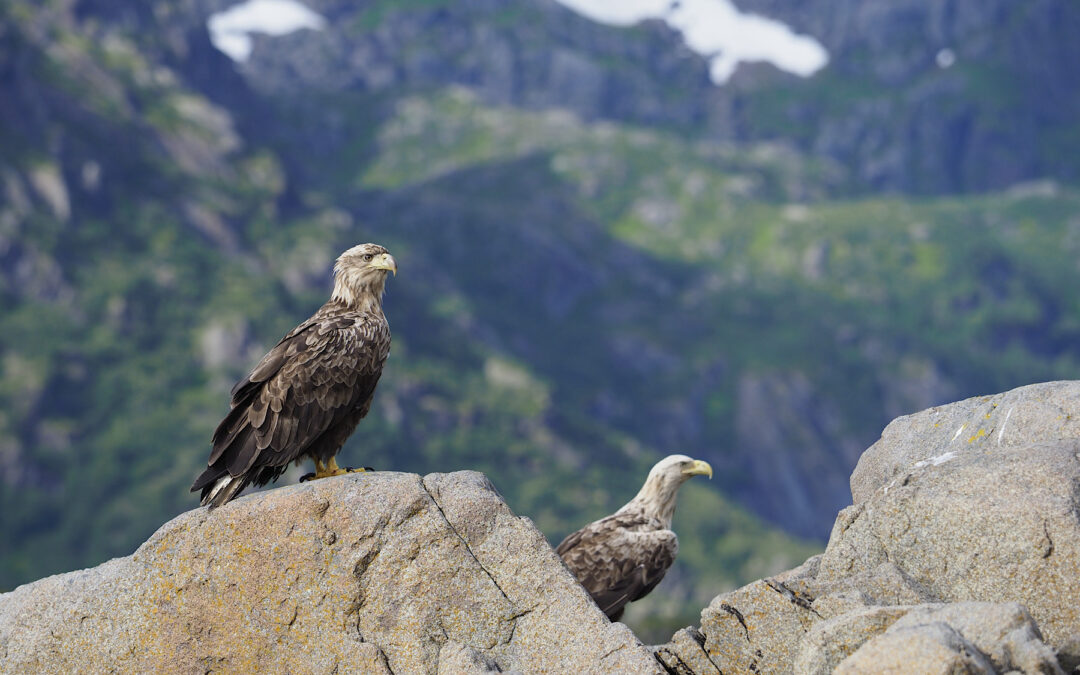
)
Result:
{"points": [[621, 558], [308, 393]]}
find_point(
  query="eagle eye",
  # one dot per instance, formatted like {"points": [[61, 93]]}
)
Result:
{"points": [[368, 257]]}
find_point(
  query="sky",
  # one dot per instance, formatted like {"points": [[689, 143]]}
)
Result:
{"points": [[713, 28]]}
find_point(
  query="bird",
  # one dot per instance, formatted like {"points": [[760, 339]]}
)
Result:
{"points": [[622, 557], [306, 395]]}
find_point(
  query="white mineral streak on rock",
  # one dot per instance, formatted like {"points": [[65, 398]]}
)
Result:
{"points": [[1002, 431]]}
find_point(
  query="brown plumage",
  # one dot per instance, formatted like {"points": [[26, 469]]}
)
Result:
{"points": [[621, 558], [308, 393]]}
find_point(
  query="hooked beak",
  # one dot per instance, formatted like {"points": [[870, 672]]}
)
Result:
{"points": [[385, 261], [698, 468]]}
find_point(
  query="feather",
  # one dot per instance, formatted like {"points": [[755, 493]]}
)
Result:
{"points": [[242, 453], [622, 557], [307, 394]]}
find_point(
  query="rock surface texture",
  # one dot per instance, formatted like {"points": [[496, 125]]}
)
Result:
{"points": [[961, 553], [374, 573]]}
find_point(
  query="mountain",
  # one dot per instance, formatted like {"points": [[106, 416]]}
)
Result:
{"points": [[591, 276], [928, 97]]}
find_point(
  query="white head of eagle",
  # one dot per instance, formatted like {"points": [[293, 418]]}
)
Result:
{"points": [[360, 274]]}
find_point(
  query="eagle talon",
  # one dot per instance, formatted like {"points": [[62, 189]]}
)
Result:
{"points": [[307, 476], [353, 469]]}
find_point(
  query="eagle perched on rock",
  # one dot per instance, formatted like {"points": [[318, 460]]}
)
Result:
{"points": [[621, 558], [306, 396]]}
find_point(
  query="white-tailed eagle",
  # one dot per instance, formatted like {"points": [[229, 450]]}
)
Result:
{"points": [[306, 396], [620, 558]]}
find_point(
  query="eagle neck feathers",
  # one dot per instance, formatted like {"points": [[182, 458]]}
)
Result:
{"points": [[656, 499], [357, 292]]}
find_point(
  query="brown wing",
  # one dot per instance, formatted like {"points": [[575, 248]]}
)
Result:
{"points": [[320, 375], [619, 559]]}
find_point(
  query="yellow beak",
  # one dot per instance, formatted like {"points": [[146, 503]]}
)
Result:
{"points": [[385, 261], [698, 468]]}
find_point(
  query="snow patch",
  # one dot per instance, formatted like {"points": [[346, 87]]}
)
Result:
{"points": [[230, 31], [718, 31]]}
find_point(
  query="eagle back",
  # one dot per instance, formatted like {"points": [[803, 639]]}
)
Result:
{"points": [[609, 554], [321, 374]]}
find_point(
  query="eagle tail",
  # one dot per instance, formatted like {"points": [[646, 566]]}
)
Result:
{"points": [[235, 453], [222, 490]]}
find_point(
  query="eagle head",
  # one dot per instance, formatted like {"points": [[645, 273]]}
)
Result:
{"points": [[360, 275], [657, 496]]}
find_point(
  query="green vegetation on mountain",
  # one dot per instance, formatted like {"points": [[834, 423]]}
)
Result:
{"points": [[576, 299]]}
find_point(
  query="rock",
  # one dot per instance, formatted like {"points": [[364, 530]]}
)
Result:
{"points": [[1047, 411], [381, 572], [49, 184], [918, 122], [829, 642], [686, 654], [1003, 632], [927, 649], [458, 659], [1002, 635], [755, 628], [960, 554], [993, 523]]}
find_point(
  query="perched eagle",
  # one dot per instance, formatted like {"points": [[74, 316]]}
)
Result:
{"points": [[306, 396], [620, 558]]}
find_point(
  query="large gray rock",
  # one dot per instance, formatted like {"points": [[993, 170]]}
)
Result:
{"points": [[960, 554], [381, 572], [1048, 411], [994, 524]]}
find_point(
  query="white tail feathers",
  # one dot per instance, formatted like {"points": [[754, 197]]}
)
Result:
{"points": [[223, 490]]}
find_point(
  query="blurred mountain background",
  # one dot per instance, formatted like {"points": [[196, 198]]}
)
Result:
{"points": [[615, 242]]}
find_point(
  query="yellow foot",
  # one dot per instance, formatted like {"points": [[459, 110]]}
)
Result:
{"points": [[331, 469]]}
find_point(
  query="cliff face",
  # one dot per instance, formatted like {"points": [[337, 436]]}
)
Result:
{"points": [[931, 97], [522, 52]]}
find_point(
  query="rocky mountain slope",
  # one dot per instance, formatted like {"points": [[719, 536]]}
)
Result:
{"points": [[929, 97], [591, 276]]}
